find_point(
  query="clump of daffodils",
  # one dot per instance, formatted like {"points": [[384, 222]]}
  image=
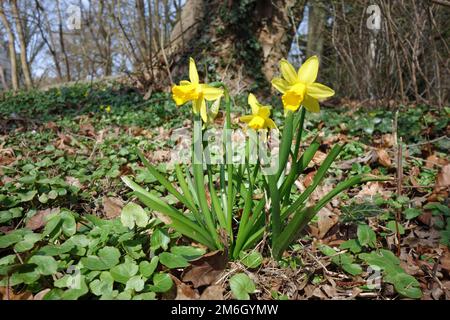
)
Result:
{"points": [[214, 222]]}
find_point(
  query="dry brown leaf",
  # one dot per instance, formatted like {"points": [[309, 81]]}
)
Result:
{"points": [[51, 126], [212, 293], [185, 292], [383, 158], [443, 178], [6, 294], [206, 270], [388, 140], [445, 261], [112, 207], [326, 220], [431, 161], [319, 157], [40, 295], [63, 143], [309, 179], [162, 217], [371, 189], [73, 182], [87, 129], [38, 220]]}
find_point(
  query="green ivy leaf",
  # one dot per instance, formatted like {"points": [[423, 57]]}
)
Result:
{"points": [[10, 239], [391, 225], [76, 292], [162, 282], [145, 296], [173, 261], [188, 252], [412, 213], [133, 214], [241, 286], [147, 268], [28, 242], [159, 239], [352, 245], [45, 265], [69, 225], [123, 272], [384, 259], [102, 286], [135, 283], [53, 226], [107, 257], [366, 236], [405, 284], [352, 268], [251, 260]]}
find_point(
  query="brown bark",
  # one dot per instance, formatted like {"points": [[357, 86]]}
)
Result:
{"points": [[61, 42], [3, 80], [11, 48], [23, 45]]}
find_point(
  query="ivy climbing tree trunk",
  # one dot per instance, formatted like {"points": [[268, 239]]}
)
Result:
{"points": [[241, 40]]}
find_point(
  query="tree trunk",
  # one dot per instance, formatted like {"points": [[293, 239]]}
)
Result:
{"points": [[61, 42], [243, 39], [3, 80], [23, 45], [11, 48], [316, 28]]}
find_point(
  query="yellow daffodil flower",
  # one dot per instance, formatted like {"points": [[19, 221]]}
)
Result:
{"points": [[260, 117], [196, 92], [300, 88]]}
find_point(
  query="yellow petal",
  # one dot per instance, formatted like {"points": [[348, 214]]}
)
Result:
{"points": [[319, 91], [280, 84], [311, 104], [211, 93], [308, 71], [271, 124], [246, 118], [264, 112], [203, 111], [193, 74], [288, 71], [253, 102]]}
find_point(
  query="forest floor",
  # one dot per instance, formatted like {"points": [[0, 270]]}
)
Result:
{"points": [[62, 154]]}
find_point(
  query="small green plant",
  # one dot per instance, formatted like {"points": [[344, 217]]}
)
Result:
{"points": [[102, 259], [351, 257]]}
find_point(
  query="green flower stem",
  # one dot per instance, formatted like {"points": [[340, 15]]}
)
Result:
{"points": [[229, 163], [201, 192], [285, 148], [298, 139]]}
